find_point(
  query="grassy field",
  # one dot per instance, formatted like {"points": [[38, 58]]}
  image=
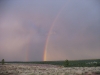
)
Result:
{"points": [[45, 69], [72, 63], [75, 67]]}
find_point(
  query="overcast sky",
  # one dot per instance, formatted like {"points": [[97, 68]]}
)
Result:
{"points": [[69, 29]]}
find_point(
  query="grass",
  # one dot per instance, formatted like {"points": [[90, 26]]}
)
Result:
{"points": [[72, 63]]}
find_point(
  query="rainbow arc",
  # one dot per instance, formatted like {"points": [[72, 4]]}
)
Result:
{"points": [[50, 31]]}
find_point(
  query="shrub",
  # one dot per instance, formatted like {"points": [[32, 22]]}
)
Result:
{"points": [[3, 61], [66, 63]]}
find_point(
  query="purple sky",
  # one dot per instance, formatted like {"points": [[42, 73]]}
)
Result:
{"points": [[25, 25]]}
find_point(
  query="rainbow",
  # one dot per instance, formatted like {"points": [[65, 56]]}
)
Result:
{"points": [[50, 31]]}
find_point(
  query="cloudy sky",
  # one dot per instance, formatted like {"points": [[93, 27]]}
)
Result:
{"points": [[37, 30]]}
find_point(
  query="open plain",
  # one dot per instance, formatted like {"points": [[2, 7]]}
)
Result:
{"points": [[46, 69]]}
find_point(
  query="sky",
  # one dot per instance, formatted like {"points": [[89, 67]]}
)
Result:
{"points": [[49, 30]]}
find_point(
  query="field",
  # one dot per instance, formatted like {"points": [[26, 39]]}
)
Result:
{"points": [[72, 63], [50, 68]]}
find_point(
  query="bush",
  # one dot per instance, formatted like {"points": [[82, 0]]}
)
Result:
{"points": [[66, 63], [98, 64], [3, 61]]}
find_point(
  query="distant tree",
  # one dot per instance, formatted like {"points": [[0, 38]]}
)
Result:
{"points": [[66, 63], [3, 61]]}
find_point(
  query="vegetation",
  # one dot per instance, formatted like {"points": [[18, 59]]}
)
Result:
{"points": [[69, 63], [66, 63], [98, 64], [3, 61]]}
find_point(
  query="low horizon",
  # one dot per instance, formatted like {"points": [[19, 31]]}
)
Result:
{"points": [[53, 60]]}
